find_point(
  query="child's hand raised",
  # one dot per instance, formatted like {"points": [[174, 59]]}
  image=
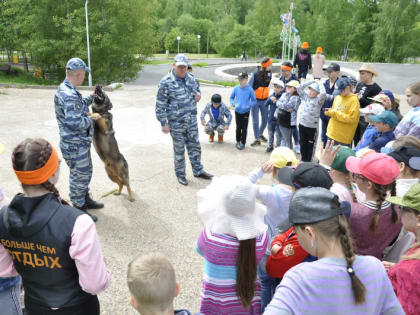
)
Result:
{"points": [[267, 167], [328, 153]]}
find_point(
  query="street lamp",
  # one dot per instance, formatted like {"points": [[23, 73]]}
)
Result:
{"points": [[198, 44], [178, 38], [88, 47]]}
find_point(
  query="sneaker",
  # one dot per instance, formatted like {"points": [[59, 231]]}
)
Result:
{"points": [[241, 146], [238, 145], [91, 204], [269, 149], [182, 181], [211, 138], [256, 142], [263, 139], [204, 175], [297, 149]]}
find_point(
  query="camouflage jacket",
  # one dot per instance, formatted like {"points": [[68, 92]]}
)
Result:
{"points": [[71, 111], [175, 98], [224, 112]]}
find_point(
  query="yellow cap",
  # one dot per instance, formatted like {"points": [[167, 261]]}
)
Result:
{"points": [[281, 156], [2, 148], [294, 83]]}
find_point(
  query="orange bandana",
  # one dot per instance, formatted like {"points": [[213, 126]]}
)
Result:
{"points": [[286, 68], [41, 175], [266, 64]]}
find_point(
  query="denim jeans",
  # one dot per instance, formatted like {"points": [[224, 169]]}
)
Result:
{"points": [[10, 301], [268, 287], [255, 112], [296, 135], [273, 128], [324, 137], [286, 134]]}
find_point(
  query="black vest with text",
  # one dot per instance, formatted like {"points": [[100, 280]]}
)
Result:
{"points": [[37, 233]]}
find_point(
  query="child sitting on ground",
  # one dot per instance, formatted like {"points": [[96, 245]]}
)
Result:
{"points": [[242, 99], [273, 125], [384, 124], [311, 104], [370, 132], [217, 112], [152, 285]]}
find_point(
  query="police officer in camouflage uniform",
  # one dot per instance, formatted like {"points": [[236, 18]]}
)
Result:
{"points": [[176, 110], [76, 132]]}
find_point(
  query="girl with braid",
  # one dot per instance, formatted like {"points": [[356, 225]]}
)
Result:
{"points": [[54, 247], [374, 223], [339, 282]]}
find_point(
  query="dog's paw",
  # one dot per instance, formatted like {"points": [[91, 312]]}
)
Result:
{"points": [[117, 193]]}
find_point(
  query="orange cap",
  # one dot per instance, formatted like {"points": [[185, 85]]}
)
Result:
{"points": [[319, 49], [305, 45]]}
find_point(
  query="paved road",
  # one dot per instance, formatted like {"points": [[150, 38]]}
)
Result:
{"points": [[395, 77]]}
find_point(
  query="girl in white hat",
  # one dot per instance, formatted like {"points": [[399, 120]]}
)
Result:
{"points": [[232, 243]]}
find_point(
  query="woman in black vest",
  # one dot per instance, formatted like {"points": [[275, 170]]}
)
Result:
{"points": [[54, 247], [260, 81]]}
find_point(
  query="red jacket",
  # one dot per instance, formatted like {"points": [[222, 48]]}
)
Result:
{"points": [[290, 254]]}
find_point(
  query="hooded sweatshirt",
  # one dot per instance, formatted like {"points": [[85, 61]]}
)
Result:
{"points": [[55, 249]]}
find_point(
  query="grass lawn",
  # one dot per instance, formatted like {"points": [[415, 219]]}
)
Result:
{"points": [[190, 56], [23, 77], [223, 83], [157, 62], [200, 64]]}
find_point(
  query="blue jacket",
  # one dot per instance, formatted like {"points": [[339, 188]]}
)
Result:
{"points": [[368, 136], [71, 112], [243, 98], [381, 140], [328, 100], [175, 98], [223, 112]]}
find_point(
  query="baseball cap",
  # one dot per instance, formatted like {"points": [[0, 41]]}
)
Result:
{"points": [[333, 67], [376, 167], [387, 117], [216, 98], [314, 86], [340, 159], [181, 60], [374, 109], [276, 81], [406, 155], [76, 64], [410, 200], [242, 75], [2, 148], [379, 98], [389, 94], [315, 204], [281, 156], [306, 174], [341, 84], [294, 83]]}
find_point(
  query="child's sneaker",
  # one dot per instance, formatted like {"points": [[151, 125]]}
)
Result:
{"points": [[269, 149], [256, 142], [297, 149], [211, 138], [263, 139], [220, 139], [238, 145], [241, 146]]}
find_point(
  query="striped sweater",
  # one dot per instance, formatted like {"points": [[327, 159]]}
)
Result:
{"points": [[218, 294]]}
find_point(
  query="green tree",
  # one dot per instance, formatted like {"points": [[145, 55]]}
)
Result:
{"points": [[263, 16], [396, 36], [242, 38]]}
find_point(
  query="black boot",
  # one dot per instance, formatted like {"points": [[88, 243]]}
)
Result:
{"points": [[92, 204]]}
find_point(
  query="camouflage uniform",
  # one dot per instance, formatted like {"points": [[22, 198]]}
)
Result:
{"points": [[176, 107], [76, 132]]}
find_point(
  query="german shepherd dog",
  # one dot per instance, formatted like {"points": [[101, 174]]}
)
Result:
{"points": [[106, 145]]}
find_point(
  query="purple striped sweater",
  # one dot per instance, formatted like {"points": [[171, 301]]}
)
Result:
{"points": [[218, 294]]}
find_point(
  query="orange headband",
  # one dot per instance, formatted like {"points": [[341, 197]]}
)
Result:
{"points": [[266, 64], [41, 175], [286, 68]]}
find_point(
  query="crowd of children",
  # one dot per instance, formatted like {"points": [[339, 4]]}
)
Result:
{"points": [[334, 237]]}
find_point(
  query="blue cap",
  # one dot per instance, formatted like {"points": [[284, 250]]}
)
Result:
{"points": [[181, 60], [77, 64], [389, 94], [387, 117], [341, 84], [314, 86]]}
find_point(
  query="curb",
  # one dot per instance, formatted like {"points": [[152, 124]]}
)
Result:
{"points": [[49, 87]]}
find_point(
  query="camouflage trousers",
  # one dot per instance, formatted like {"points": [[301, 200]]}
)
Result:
{"points": [[184, 133], [210, 129], [79, 161]]}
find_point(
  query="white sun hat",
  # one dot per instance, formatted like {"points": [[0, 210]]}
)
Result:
{"points": [[228, 206]]}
